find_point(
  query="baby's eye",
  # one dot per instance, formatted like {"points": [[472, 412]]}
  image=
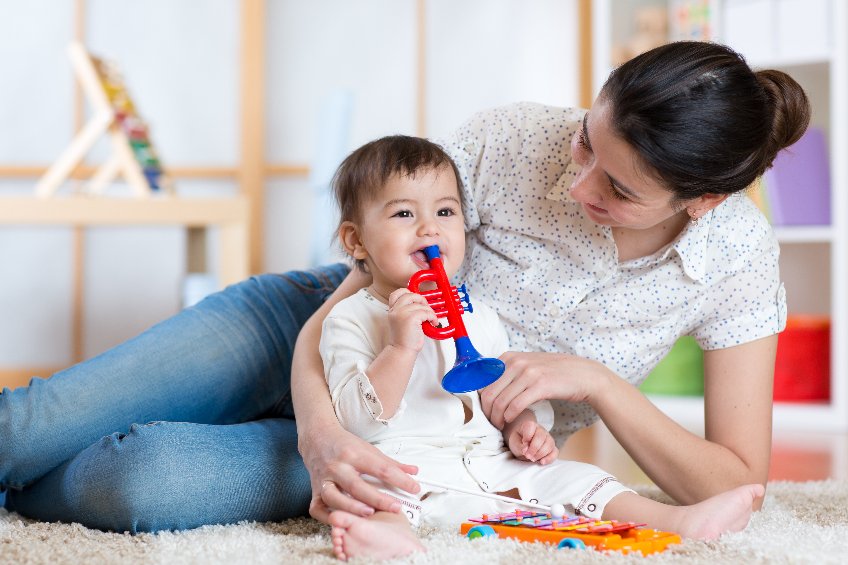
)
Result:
{"points": [[444, 212], [402, 214]]}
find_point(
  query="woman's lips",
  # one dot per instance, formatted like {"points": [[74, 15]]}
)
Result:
{"points": [[595, 209], [595, 213]]}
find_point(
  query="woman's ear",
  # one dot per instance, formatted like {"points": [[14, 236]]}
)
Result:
{"points": [[351, 241], [697, 207]]}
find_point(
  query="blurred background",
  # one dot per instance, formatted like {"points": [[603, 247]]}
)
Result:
{"points": [[255, 102], [326, 76]]}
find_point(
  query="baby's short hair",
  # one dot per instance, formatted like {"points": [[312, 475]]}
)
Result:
{"points": [[363, 173]]}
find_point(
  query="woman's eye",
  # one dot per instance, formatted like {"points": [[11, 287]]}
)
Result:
{"points": [[581, 140], [618, 195]]}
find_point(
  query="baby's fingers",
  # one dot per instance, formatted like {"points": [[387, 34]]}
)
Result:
{"points": [[537, 444], [550, 457], [395, 296]]}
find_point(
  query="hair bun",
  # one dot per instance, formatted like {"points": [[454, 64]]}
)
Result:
{"points": [[790, 106]]}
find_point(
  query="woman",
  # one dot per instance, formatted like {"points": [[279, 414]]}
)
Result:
{"points": [[598, 256], [674, 132]]}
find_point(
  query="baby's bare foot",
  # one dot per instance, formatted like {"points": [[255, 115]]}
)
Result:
{"points": [[724, 513], [377, 537]]}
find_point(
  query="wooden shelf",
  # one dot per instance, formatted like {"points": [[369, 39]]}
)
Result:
{"points": [[804, 234], [688, 411], [229, 215], [84, 210]]}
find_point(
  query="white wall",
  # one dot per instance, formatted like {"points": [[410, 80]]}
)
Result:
{"points": [[180, 61]]}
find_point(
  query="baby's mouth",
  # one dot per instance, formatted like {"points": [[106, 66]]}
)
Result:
{"points": [[420, 259]]}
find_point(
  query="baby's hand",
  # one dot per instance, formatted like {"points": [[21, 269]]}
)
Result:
{"points": [[529, 441], [407, 311]]}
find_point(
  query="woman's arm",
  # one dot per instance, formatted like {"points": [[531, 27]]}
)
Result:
{"points": [[335, 458], [736, 446], [738, 407]]}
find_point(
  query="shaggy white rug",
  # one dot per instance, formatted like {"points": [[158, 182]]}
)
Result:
{"points": [[799, 523]]}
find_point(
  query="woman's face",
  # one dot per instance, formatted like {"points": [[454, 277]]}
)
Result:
{"points": [[613, 186]]}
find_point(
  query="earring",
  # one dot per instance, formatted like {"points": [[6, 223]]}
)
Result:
{"points": [[693, 216]]}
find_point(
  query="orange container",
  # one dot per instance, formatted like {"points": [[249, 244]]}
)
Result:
{"points": [[802, 367]]}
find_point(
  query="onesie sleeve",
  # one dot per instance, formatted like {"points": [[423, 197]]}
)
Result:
{"points": [[347, 352], [544, 413]]}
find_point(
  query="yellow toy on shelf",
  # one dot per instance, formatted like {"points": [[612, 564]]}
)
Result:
{"points": [[132, 153]]}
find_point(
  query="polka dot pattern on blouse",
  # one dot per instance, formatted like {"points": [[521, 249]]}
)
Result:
{"points": [[554, 277]]}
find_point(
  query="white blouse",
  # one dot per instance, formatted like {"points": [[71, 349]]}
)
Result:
{"points": [[554, 276]]}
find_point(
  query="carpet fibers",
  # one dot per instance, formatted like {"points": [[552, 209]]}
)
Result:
{"points": [[799, 523]]}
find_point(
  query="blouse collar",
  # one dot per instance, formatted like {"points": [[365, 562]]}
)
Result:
{"points": [[690, 245]]}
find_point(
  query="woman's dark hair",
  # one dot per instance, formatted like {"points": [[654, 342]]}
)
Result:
{"points": [[363, 173], [701, 118]]}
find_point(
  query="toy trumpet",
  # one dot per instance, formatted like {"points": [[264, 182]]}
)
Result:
{"points": [[471, 371]]}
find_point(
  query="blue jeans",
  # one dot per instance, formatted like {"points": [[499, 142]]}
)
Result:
{"points": [[190, 423]]}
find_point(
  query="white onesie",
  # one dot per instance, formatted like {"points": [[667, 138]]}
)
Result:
{"points": [[446, 435]]}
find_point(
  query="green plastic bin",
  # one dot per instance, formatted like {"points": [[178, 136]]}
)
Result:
{"points": [[680, 373]]}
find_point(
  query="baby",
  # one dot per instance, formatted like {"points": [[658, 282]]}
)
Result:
{"points": [[398, 195]]}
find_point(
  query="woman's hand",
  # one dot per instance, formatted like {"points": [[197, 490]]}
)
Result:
{"points": [[530, 377], [336, 459]]}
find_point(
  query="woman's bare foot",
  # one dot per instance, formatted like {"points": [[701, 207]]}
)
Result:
{"points": [[724, 513], [381, 536]]}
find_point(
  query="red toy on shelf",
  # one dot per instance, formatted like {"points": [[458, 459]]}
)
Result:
{"points": [[471, 371]]}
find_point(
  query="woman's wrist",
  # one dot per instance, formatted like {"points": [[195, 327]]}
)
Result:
{"points": [[601, 385], [311, 433]]}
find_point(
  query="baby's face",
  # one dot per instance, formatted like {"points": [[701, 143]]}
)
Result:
{"points": [[409, 214]]}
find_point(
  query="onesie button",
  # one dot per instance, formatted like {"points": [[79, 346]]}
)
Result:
{"points": [[591, 508]]}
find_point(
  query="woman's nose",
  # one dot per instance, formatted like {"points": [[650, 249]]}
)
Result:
{"points": [[584, 189]]}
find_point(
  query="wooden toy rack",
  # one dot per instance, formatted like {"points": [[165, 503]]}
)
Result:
{"points": [[133, 156]]}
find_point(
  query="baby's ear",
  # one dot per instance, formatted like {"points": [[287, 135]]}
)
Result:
{"points": [[350, 240]]}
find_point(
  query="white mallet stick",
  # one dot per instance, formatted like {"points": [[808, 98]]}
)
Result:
{"points": [[556, 511]]}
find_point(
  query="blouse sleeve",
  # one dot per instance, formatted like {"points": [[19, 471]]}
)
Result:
{"points": [[493, 149], [466, 146], [748, 302]]}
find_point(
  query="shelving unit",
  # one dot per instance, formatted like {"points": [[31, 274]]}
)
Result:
{"points": [[238, 220], [228, 215], [807, 39]]}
